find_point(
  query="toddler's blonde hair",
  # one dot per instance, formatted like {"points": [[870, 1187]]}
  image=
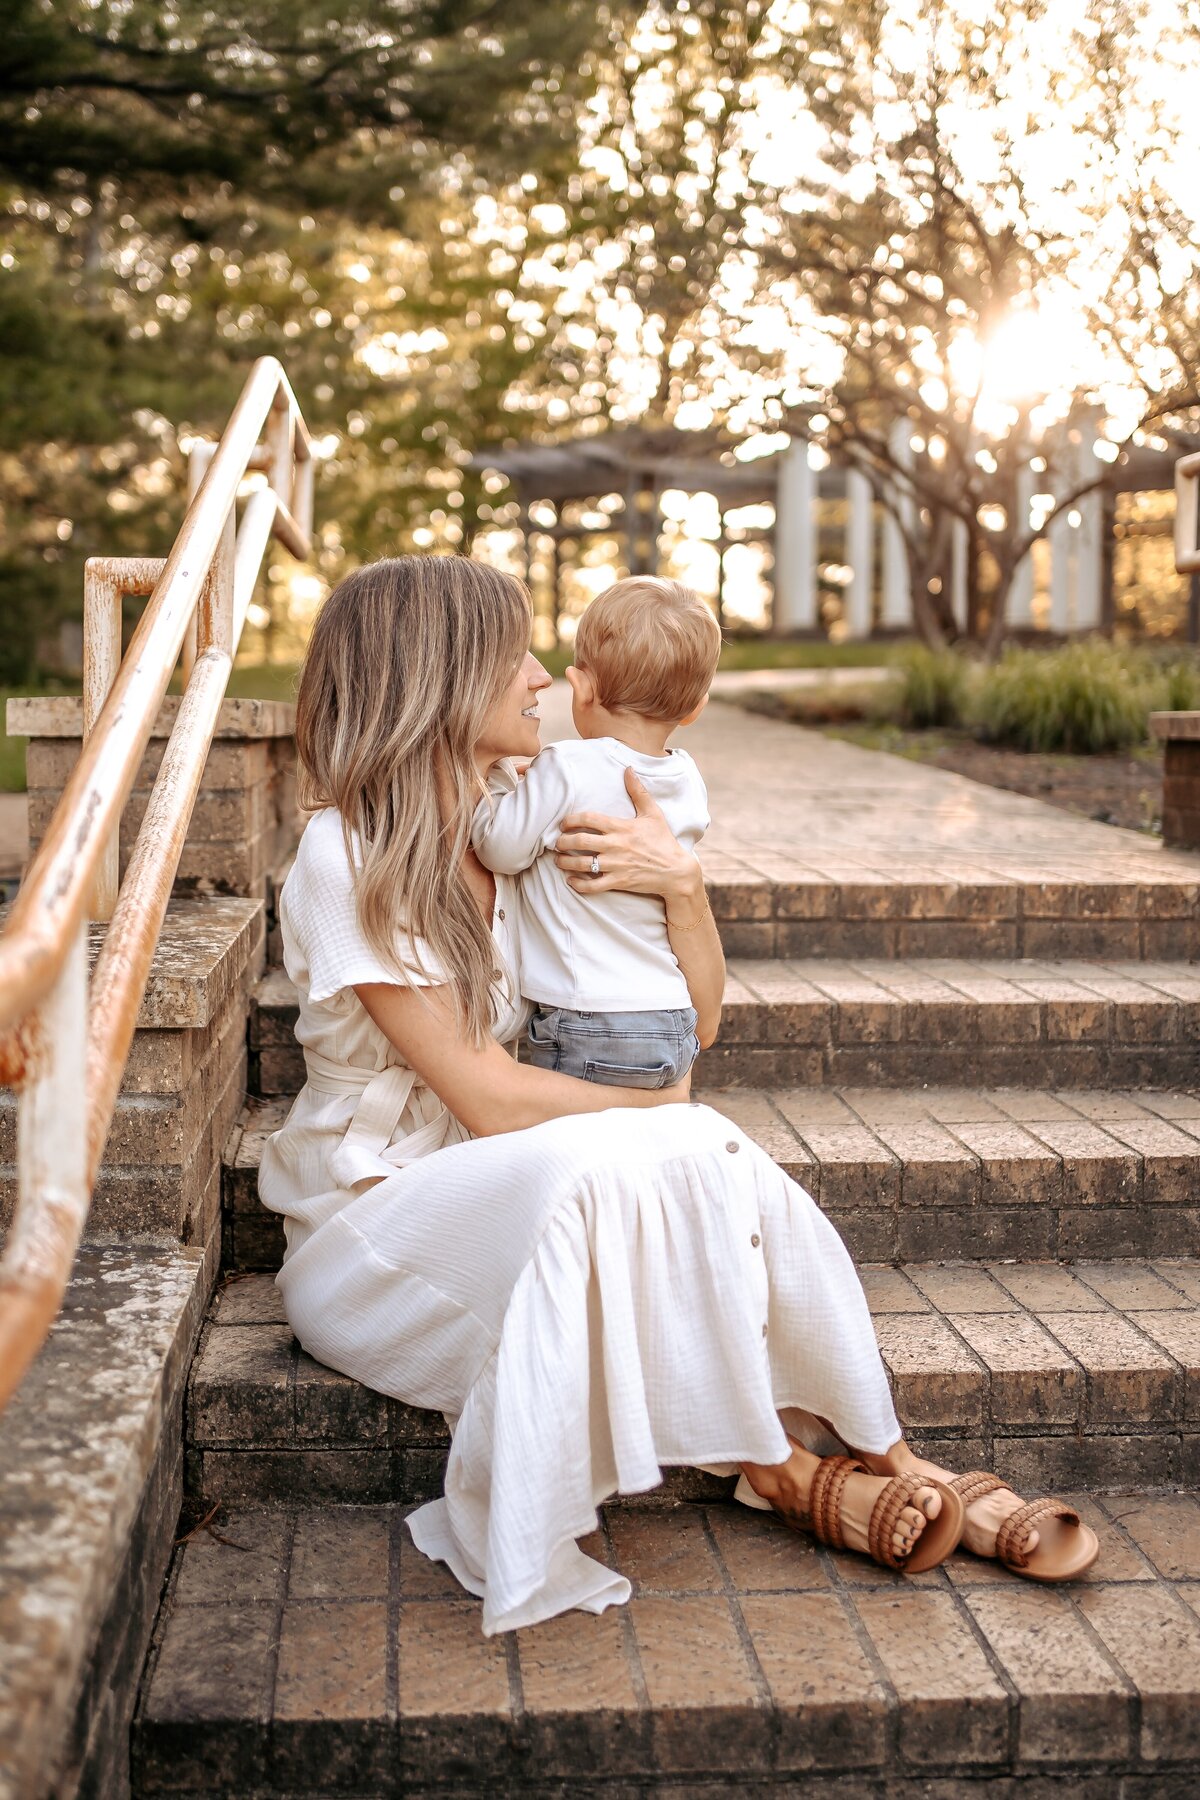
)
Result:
{"points": [[651, 647]]}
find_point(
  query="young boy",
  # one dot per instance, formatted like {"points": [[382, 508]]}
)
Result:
{"points": [[610, 1002]]}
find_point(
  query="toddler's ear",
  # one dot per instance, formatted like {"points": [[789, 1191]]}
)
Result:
{"points": [[695, 713], [582, 685]]}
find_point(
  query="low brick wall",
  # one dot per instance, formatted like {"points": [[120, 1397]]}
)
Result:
{"points": [[91, 1479], [184, 1083], [1179, 734], [245, 820], [91, 1451]]}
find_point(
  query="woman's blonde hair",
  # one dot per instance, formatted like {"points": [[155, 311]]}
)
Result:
{"points": [[651, 646], [407, 659]]}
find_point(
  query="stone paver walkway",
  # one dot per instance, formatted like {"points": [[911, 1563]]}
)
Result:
{"points": [[784, 799]]}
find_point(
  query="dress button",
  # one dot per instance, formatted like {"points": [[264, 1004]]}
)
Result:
{"points": [[755, 1239], [764, 1331], [500, 914], [733, 1145]]}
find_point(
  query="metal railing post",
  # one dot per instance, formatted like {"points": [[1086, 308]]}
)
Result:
{"points": [[199, 458], [63, 1047], [106, 581], [1187, 514], [53, 1190]]}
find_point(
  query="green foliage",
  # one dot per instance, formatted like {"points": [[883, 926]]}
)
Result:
{"points": [[183, 192], [1180, 687], [323, 104], [933, 688], [1088, 698]]}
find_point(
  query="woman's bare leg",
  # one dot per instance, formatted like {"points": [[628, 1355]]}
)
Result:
{"points": [[788, 1485]]}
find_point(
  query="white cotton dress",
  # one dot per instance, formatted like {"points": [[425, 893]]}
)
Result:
{"points": [[587, 1301]]}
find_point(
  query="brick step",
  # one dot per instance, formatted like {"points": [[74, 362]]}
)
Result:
{"points": [[1080, 1375], [913, 1174], [782, 906], [878, 1023], [306, 1651]]}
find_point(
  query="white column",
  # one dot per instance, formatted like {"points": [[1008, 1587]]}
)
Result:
{"points": [[1058, 537], [795, 580], [960, 550], [859, 496], [1020, 594], [1089, 546], [896, 611]]}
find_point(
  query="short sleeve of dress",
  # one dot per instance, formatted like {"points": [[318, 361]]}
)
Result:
{"points": [[325, 951]]}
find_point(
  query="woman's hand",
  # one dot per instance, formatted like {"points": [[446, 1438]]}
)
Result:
{"points": [[637, 856]]}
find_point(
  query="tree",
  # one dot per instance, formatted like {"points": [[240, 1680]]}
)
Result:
{"points": [[860, 216], [309, 102], [926, 251], [188, 192]]}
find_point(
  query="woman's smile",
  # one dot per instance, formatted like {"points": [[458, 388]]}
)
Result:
{"points": [[512, 727]]}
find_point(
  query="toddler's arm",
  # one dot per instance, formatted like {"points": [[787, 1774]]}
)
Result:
{"points": [[509, 831]]}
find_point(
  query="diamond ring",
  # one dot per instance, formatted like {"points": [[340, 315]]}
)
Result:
{"points": [[595, 864]]}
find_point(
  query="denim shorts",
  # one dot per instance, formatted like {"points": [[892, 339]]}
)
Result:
{"points": [[627, 1049]]}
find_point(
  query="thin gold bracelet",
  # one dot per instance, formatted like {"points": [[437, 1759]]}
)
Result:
{"points": [[696, 923]]}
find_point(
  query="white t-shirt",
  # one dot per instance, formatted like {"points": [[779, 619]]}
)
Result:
{"points": [[606, 952]]}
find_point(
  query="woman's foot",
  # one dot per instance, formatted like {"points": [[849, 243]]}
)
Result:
{"points": [[788, 1488], [984, 1516]]}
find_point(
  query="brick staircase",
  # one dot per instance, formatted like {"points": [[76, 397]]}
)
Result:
{"points": [[1026, 1249]]}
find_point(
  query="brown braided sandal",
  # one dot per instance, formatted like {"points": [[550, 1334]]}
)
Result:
{"points": [[936, 1542], [1066, 1546]]}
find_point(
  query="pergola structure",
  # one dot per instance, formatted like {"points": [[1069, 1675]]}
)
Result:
{"points": [[621, 475], [630, 469]]}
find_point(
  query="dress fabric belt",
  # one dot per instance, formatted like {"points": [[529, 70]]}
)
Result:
{"points": [[398, 1119]]}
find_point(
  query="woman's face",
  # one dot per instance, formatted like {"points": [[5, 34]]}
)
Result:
{"points": [[511, 728]]}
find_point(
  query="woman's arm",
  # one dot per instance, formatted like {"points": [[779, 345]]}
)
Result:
{"points": [[640, 856], [486, 1089]]}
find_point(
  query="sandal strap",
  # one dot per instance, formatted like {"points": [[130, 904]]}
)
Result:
{"points": [[825, 1497], [887, 1509], [975, 1484], [1012, 1539]]}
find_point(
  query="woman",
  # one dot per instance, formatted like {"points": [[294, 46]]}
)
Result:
{"points": [[590, 1282]]}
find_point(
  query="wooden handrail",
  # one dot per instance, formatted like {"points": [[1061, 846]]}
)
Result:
{"points": [[53, 1045]]}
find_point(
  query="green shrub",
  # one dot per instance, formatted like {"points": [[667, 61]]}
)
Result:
{"points": [[1180, 691], [1087, 699], [933, 688]]}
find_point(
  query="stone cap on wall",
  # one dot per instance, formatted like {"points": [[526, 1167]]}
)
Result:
{"points": [[202, 953], [61, 716], [1172, 724], [203, 950]]}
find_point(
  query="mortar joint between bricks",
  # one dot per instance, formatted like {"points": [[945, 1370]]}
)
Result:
{"points": [[516, 1693], [1133, 1695], [275, 1641], [629, 1643], [1013, 1722], [745, 1637], [866, 1643]]}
